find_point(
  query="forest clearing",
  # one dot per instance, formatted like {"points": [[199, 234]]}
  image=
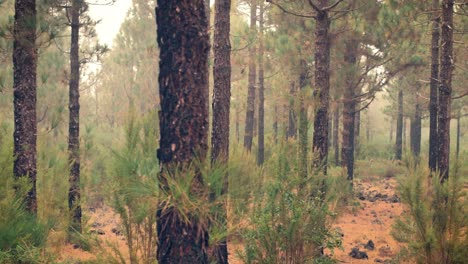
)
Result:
{"points": [[233, 131]]}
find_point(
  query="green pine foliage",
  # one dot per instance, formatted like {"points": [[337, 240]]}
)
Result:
{"points": [[435, 228]]}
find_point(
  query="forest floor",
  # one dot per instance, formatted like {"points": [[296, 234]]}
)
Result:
{"points": [[371, 218]]}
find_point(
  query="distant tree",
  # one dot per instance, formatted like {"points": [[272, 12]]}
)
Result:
{"points": [[221, 109], [182, 35], [399, 127], [292, 116], [261, 88], [445, 89], [434, 84], [249, 118], [25, 58]]}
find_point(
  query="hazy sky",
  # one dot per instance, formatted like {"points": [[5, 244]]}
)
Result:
{"points": [[111, 18]]}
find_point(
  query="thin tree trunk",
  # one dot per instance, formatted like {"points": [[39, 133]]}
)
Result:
{"points": [[392, 124], [357, 131], [336, 130], [292, 129], [349, 107], [415, 132], [74, 193], [322, 84], [275, 125], [399, 128], [445, 89], [458, 134], [221, 110], [182, 34], [303, 122], [434, 85], [24, 91], [368, 130], [261, 93], [249, 119]]}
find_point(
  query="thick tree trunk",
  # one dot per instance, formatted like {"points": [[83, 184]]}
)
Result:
{"points": [[415, 130], [399, 128], [445, 89], [434, 85], [261, 93], [249, 118], [322, 84], [221, 110], [24, 91], [336, 130], [292, 119], [349, 108], [182, 34], [74, 193], [303, 122]]}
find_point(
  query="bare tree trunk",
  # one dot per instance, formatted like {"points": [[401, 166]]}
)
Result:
{"points": [[74, 193], [445, 89], [261, 93], [249, 119], [357, 130], [292, 128], [415, 130], [349, 107], [336, 129], [399, 128], [275, 125], [303, 122], [183, 39], [322, 84], [24, 92], [434, 84], [221, 110]]}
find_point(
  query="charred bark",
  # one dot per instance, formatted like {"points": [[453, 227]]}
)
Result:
{"points": [[221, 110], [445, 89], [322, 84], [74, 193], [249, 118], [349, 108], [182, 35], [434, 84], [24, 92]]}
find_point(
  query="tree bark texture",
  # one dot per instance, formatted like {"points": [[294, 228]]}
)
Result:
{"points": [[261, 92], [336, 129], [221, 109], [434, 84], [322, 84], [399, 128], [445, 89], [357, 129], [183, 39], [249, 118], [349, 108], [24, 92], [74, 194]]}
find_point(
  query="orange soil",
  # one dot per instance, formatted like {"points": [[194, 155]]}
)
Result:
{"points": [[369, 221]]}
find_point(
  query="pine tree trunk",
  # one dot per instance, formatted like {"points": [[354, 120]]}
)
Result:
{"points": [[445, 89], [182, 34], [415, 130], [292, 129], [74, 193], [399, 128], [24, 91], [357, 130], [221, 110], [261, 92], [303, 122], [336, 129], [249, 118], [322, 84], [434, 85], [349, 108], [275, 125]]}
